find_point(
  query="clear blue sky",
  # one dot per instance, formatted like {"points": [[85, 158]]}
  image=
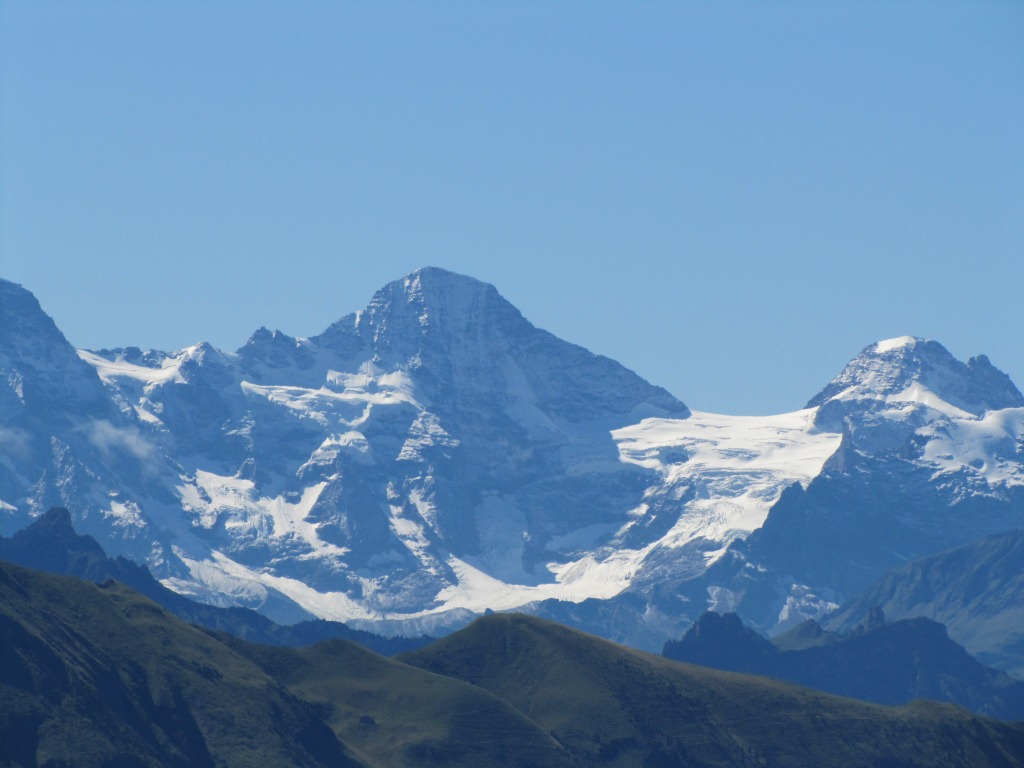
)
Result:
{"points": [[729, 198]]}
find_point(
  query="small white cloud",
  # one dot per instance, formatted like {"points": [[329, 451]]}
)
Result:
{"points": [[111, 440], [15, 442]]}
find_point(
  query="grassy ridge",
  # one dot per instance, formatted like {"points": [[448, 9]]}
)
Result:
{"points": [[613, 706], [405, 716]]}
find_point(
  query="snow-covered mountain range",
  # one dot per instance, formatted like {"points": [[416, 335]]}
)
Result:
{"points": [[435, 456]]}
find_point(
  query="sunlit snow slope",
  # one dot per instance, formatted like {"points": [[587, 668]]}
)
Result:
{"points": [[732, 468]]}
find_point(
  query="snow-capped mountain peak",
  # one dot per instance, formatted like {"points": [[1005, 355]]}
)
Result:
{"points": [[466, 346], [908, 369], [428, 307]]}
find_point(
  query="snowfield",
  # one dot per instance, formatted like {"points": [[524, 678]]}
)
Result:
{"points": [[737, 466]]}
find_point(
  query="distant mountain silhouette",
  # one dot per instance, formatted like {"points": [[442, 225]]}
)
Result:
{"points": [[885, 663], [976, 590]]}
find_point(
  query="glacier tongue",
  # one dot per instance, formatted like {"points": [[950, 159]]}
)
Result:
{"points": [[721, 474]]}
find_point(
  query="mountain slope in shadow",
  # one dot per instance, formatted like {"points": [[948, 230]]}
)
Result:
{"points": [[97, 675], [879, 662], [974, 590]]}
